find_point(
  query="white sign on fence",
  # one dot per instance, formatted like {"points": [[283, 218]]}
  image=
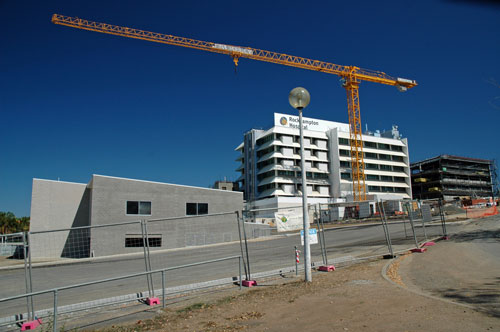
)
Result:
{"points": [[313, 236], [288, 220]]}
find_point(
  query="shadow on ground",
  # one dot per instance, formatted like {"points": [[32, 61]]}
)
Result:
{"points": [[485, 298], [478, 235]]}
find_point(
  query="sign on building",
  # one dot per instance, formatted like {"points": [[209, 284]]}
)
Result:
{"points": [[288, 220]]}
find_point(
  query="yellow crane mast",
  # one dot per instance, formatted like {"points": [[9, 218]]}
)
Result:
{"points": [[351, 77]]}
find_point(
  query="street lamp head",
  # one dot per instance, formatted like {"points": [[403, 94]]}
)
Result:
{"points": [[299, 98]]}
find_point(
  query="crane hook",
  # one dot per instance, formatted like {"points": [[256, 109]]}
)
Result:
{"points": [[235, 57]]}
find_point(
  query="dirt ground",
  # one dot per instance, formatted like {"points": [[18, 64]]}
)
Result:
{"points": [[357, 298]]}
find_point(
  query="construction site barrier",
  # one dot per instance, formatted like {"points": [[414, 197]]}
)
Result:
{"points": [[481, 213]]}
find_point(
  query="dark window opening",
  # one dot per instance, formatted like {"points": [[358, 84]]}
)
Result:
{"points": [[136, 241], [140, 208], [195, 209]]}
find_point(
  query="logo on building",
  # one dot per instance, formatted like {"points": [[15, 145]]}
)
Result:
{"points": [[283, 121], [284, 219]]}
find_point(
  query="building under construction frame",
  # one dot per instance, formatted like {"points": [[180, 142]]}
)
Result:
{"points": [[451, 177]]}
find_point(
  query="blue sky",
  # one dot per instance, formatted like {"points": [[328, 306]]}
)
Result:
{"points": [[75, 103]]}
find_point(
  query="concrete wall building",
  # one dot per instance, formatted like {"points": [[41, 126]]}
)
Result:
{"points": [[450, 177], [270, 163], [110, 201]]}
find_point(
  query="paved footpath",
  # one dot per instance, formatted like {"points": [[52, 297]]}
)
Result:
{"points": [[465, 269]]}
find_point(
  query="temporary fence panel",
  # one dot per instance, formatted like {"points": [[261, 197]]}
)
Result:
{"points": [[91, 294], [185, 240]]}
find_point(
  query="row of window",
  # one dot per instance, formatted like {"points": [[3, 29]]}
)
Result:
{"points": [[297, 186], [370, 155], [369, 166], [296, 151], [373, 145], [292, 174], [294, 139], [293, 162], [383, 189], [144, 208], [373, 177]]}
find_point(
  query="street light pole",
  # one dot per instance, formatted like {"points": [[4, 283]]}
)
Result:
{"points": [[299, 99]]}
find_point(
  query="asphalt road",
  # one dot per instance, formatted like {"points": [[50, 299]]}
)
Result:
{"points": [[265, 254]]}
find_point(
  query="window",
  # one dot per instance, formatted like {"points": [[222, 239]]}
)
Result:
{"points": [[386, 178], [399, 179], [345, 164], [384, 156], [371, 166], [194, 209], [372, 145], [388, 189], [136, 240], [370, 155], [345, 176], [286, 173], [343, 141], [265, 139], [344, 152], [397, 158], [400, 190], [373, 188], [384, 146], [398, 169], [396, 148], [265, 175], [266, 187], [139, 208], [265, 151], [385, 167], [320, 176], [372, 177]]}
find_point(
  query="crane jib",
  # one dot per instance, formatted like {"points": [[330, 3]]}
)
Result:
{"points": [[351, 77]]}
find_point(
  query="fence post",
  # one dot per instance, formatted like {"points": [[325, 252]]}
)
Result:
{"points": [[386, 228], [54, 323], [28, 238], [239, 263], [422, 216], [241, 244], [410, 219], [321, 242], [146, 257], [163, 288], [443, 221], [26, 277]]}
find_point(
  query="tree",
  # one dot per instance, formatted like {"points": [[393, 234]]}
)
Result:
{"points": [[10, 224]]}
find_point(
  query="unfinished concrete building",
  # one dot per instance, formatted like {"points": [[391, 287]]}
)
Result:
{"points": [[451, 177]]}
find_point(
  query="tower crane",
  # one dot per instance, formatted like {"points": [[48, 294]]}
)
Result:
{"points": [[351, 77]]}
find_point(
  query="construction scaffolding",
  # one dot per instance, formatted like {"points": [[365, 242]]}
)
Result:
{"points": [[451, 177]]}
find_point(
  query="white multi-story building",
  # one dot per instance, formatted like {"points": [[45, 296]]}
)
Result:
{"points": [[270, 163]]}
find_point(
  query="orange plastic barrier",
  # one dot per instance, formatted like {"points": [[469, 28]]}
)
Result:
{"points": [[480, 213]]}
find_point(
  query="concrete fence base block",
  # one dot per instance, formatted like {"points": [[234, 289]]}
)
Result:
{"points": [[419, 250], [249, 283], [152, 301], [326, 268], [428, 244], [389, 256], [31, 325]]}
